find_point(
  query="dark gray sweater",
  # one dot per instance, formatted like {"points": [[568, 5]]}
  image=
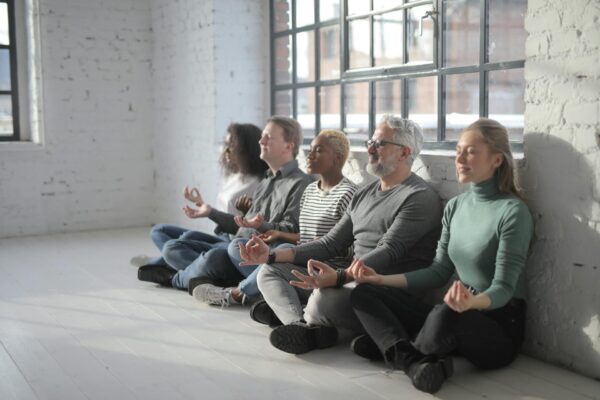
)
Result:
{"points": [[392, 231]]}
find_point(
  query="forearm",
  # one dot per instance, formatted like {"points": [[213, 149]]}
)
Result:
{"points": [[289, 237], [284, 255], [481, 302], [224, 221]]}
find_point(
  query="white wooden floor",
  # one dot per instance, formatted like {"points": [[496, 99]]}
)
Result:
{"points": [[75, 323]]}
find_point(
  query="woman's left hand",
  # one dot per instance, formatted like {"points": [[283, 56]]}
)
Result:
{"points": [[320, 275], [253, 223], [459, 298]]}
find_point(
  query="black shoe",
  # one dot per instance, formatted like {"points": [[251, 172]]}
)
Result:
{"points": [[298, 337], [160, 274], [263, 314], [429, 374], [365, 347], [198, 281]]}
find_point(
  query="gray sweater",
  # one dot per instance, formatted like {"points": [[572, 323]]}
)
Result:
{"points": [[276, 198], [392, 231]]}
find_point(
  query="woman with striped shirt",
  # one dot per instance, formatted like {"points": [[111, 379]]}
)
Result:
{"points": [[322, 205]]}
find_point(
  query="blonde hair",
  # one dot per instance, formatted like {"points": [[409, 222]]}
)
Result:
{"points": [[495, 136], [338, 141]]}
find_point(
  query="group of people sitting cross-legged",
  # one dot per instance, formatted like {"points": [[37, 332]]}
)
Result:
{"points": [[318, 258]]}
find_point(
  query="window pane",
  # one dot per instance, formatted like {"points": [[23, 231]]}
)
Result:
{"points": [[462, 103], [385, 4], [305, 59], [6, 119], [283, 103], [420, 46], [329, 9], [507, 30], [358, 7], [388, 98], [330, 107], [388, 30], [283, 60], [356, 98], [462, 32], [506, 100], [4, 69], [422, 105], [330, 52], [4, 36], [306, 111], [305, 13], [283, 15], [360, 38]]}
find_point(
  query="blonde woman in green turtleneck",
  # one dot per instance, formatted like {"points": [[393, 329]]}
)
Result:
{"points": [[485, 239]]}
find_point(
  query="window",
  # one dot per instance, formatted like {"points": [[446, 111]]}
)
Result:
{"points": [[443, 63], [9, 94]]}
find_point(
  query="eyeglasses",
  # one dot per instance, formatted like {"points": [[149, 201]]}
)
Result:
{"points": [[379, 143]]}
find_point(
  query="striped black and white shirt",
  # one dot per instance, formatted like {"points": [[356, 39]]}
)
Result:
{"points": [[320, 210]]}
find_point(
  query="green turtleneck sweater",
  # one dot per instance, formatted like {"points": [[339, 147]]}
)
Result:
{"points": [[485, 238]]}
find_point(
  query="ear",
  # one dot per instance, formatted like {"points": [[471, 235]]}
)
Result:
{"points": [[498, 158]]}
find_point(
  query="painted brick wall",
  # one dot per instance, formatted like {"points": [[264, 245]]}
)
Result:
{"points": [[561, 175], [210, 69], [95, 170]]}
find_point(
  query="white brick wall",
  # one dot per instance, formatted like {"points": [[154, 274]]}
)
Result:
{"points": [[95, 169], [562, 178], [211, 68]]}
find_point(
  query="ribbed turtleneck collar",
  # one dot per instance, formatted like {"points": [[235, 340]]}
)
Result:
{"points": [[485, 190]]}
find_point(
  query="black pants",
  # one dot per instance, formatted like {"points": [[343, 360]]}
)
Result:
{"points": [[488, 339]]}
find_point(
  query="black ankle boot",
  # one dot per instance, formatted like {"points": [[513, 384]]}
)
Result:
{"points": [[160, 274], [429, 373], [365, 347]]}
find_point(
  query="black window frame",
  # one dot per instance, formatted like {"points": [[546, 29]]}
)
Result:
{"points": [[398, 72], [14, 82]]}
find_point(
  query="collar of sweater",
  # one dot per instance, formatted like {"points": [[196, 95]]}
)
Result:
{"points": [[486, 190]]}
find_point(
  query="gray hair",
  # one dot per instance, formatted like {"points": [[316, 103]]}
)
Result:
{"points": [[407, 133]]}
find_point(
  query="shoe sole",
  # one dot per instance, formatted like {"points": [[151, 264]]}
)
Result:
{"points": [[429, 377], [293, 339]]}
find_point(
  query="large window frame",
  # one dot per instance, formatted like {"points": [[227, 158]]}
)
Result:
{"points": [[13, 92], [372, 75]]}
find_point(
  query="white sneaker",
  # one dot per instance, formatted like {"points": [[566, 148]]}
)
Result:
{"points": [[216, 296], [140, 260]]}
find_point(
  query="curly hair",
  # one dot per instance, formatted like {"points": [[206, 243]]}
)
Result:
{"points": [[243, 141]]}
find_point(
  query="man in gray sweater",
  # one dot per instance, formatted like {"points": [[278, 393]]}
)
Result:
{"points": [[394, 224]]}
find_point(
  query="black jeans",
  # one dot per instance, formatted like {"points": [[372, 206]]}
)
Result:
{"points": [[488, 339]]}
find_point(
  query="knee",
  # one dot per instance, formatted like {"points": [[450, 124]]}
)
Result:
{"points": [[187, 235], [233, 249], [437, 335], [157, 229], [362, 294], [318, 310]]}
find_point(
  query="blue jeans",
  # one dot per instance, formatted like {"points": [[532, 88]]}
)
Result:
{"points": [[213, 265], [198, 242], [249, 285]]}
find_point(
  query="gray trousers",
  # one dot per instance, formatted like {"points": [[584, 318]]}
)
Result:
{"points": [[329, 307]]}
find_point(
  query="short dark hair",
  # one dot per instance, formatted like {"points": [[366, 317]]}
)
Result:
{"points": [[292, 131], [244, 142]]}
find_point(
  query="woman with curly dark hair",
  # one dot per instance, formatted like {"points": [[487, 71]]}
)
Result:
{"points": [[242, 170]]}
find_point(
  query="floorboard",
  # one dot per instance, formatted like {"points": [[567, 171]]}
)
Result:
{"points": [[75, 323]]}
